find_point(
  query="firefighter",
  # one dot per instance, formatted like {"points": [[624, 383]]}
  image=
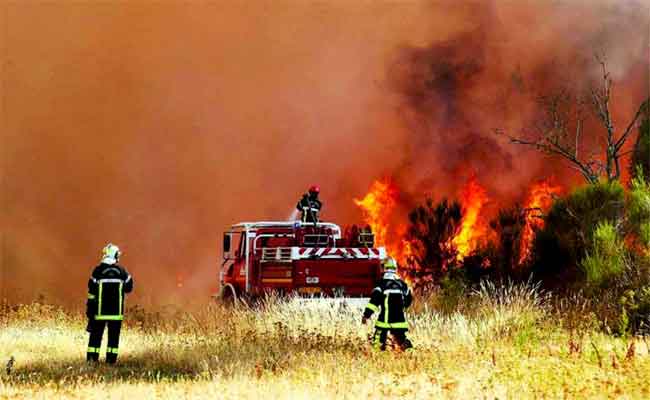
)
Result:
{"points": [[310, 206], [389, 299], [107, 286]]}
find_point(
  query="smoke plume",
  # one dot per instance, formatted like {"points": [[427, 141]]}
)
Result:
{"points": [[156, 125]]}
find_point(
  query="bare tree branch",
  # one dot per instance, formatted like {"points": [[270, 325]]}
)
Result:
{"points": [[551, 147], [642, 109], [560, 129]]}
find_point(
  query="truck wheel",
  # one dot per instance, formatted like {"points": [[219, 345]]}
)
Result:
{"points": [[228, 295]]}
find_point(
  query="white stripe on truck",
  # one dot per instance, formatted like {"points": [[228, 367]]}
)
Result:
{"points": [[299, 253]]}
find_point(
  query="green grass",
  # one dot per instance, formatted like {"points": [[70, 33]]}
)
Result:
{"points": [[500, 343]]}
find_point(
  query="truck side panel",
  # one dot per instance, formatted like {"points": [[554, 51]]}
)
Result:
{"points": [[353, 277]]}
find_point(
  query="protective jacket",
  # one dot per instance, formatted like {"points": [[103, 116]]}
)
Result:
{"points": [[310, 208], [106, 289], [389, 299]]}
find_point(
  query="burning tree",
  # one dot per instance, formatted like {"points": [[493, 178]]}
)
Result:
{"points": [[516, 226], [508, 226], [539, 200], [453, 235], [431, 233], [473, 198], [437, 237], [559, 130]]}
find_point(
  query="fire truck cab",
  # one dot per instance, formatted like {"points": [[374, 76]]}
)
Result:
{"points": [[296, 257]]}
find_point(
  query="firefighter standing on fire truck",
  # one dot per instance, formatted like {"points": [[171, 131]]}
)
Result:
{"points": [[310, 206], [107, 286], [389, 299]]}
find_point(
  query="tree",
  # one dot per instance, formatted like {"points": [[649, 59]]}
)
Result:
{"points": [[430, 232], [559, 130], [640, 163], [508, 225]]}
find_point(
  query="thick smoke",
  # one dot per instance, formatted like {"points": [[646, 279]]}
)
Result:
{"points": [[155, 126], [456, 91]]}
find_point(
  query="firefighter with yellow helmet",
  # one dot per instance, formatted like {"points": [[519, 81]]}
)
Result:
{"points": [[389, 299], [107, 287]]}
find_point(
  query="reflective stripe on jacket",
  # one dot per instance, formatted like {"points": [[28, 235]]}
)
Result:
{"points": [[106, 289], [389, 299]]}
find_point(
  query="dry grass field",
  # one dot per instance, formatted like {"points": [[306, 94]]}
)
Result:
{"points": [[500, 343]]}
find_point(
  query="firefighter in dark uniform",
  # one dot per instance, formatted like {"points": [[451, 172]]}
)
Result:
{"points": [[310, 206], [389, 299], [107, 286]]}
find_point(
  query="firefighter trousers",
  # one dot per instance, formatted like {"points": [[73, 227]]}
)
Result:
{"points": [[95, 341], [399, 338]]}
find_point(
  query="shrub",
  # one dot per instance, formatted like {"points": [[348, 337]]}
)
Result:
{"points": [[569, 231], [622, 303], [606, 259], [644, 234], [508, 226], [453, 292], [638, 209], [635, 311], [484, 263]]}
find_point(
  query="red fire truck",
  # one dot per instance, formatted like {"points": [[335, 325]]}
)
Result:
{"points": [[297, 257]]}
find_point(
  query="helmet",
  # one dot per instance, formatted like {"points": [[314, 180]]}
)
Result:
{"points": [[390, 264], [390, 268], [111, 254], [314, 189]]}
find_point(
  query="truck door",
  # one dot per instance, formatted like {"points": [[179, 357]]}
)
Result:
{"points": [[232, 255]]}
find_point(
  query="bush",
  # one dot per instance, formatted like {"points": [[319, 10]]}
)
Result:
{"points": [[569, 231], [453, 292], [622, 304], [631, 296], [483, 263], [606, 260], [508, 226], [635, 311], [644, 234], [638, 205]]}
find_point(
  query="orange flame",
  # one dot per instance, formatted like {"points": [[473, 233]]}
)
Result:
{"points": [[540, 198], [406, 251], [377, 207], [379, 204], [473, 198]]}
